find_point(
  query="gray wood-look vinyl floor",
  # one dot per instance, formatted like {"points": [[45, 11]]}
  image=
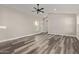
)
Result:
{"points": [[41, 44]]}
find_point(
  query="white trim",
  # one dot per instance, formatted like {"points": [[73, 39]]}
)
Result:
{"points": [[35, 34], [19, 37], [77, 37], [64, 34]]}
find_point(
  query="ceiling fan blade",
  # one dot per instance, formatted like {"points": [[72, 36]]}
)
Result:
{"points": [[33, 11], [37, 12], [41, 8], [42, 11], [37, 4], [35, 8]]}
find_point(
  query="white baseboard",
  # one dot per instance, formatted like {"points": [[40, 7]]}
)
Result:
{"points": [[19, 37], [35, 34], [77, 37], [63, 34]]}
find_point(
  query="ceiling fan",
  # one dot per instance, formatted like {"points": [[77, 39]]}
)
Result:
{"points": [[38, 10]]}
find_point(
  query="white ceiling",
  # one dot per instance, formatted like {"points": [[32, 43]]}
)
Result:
{"points": [[60, 8]]}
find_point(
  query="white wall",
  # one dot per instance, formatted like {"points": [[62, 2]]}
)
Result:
{"points": [[18, 23], [78, 26], [44, 25], [62, 24]]}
